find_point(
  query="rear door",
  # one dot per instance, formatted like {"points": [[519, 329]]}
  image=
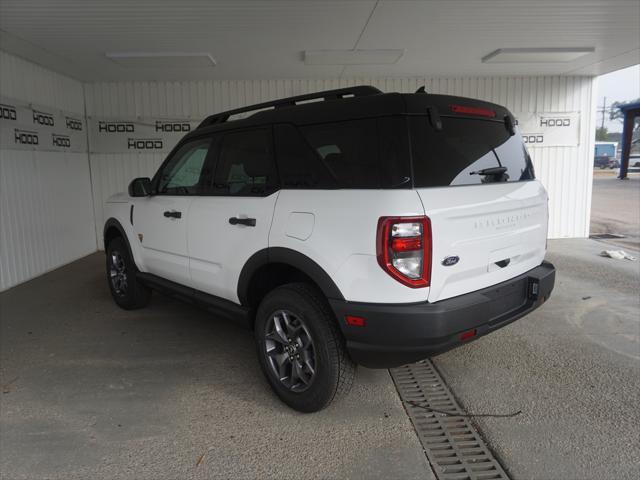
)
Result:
{"points": [[488, 213], [160, 220], [231, 222]]}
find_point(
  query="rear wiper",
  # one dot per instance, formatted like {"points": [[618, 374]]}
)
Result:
{"points": [[490, 171]]}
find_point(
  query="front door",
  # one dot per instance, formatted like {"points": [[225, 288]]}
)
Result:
{"points": [[228, 226], [160, 220]]}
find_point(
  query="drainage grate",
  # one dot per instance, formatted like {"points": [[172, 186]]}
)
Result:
{"points": [[600, 236], [453, 446]]}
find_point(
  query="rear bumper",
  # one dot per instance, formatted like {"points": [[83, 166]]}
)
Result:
{"points": [[397, 334]]}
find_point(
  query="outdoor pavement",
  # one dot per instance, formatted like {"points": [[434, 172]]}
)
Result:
{"points": [[615, 207]]}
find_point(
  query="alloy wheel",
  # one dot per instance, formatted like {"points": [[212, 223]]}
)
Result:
{"points": [[290, 351], [118, 273]]}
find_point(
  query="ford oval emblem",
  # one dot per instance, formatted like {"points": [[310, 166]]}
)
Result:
{"points": [[450, 261]]}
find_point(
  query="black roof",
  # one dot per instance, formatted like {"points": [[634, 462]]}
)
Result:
{"points": [[342, 104]]}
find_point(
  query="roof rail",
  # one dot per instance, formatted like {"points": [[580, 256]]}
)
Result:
{"points": [[357, 91]]}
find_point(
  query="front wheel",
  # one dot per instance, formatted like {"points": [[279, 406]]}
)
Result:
{"points": [[126, 289], [301, 350]]}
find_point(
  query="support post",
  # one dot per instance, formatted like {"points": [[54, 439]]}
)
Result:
{"points": [[627, 132]]}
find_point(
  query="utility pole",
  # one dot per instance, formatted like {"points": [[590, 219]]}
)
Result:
{"points": [[604, 109]]}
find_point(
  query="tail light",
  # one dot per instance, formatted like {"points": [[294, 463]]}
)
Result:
{"points": [[404, 249]]}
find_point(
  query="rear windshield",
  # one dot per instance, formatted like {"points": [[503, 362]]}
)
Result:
{"points": [[466, 152]]}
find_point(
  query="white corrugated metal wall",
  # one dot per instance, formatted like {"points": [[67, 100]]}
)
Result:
{"points": [[47, 197], [46, 213], [566, 171]]}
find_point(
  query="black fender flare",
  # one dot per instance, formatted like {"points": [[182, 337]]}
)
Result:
{"points": [[289, 257], [114, 223]]}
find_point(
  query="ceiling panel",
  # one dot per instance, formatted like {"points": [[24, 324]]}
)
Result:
{"points": [[266, 39]]}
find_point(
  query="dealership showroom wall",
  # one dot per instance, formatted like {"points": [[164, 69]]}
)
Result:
{"points": [[529, 348], [53, 200]]}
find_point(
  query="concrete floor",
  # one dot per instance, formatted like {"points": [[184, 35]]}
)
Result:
{"points": [[572, 367], [92, 391]]}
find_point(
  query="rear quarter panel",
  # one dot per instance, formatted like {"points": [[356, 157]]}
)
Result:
{"points": [[337, 229]]}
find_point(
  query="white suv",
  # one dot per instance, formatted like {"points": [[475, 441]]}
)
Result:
{"points": [[345, 227]]}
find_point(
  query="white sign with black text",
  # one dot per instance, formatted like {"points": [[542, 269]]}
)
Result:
{"points": [[24, 126], [556, 129], [137, 135]]}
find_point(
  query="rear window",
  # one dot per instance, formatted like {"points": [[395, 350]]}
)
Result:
{"points": [[467, 152]]}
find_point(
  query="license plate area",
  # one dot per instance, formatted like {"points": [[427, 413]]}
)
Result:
{"points": [[507, 298]]}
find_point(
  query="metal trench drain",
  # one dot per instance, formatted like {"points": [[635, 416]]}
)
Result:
{"points": [[453, 446]]}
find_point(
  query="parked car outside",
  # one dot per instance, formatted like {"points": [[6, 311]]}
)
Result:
{"points": [[603, 162]]}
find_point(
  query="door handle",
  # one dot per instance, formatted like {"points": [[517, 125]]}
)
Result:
{"points": [[172, 214], [249, 222]]}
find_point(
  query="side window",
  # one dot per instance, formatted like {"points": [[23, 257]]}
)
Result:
{"points": [[185, 172], [349, 150], [245, 164], [299, 166], [395, 156]]}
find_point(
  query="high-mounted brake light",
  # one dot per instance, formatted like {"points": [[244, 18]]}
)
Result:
{"points": [[404, 249], [480, 112]]}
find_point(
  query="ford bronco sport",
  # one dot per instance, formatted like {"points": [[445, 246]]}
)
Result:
{"points": [[345, 227]]}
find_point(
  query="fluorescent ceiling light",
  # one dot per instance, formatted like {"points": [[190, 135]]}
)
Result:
{"points": [[162, 59], [352, 57], [536, 55]]}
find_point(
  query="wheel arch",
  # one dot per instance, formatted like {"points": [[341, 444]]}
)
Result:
{"points": [[275, 266], [112, 229]]}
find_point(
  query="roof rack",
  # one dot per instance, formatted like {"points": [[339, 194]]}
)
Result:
{"points": [[357, 91]]}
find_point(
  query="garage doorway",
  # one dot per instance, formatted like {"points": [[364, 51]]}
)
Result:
{"points": [[615, 204]]}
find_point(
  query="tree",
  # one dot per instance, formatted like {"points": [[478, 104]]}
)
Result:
{"points": [[602, 134]]}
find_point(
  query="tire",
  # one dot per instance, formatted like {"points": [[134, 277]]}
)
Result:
{"points": [[126, 289], [325, 370]]}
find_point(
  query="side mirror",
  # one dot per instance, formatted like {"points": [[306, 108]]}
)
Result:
{"points": [[140, 187]]}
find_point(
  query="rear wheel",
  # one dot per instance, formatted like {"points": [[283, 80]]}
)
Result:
{"points": [[300, 348], [126, 289]]}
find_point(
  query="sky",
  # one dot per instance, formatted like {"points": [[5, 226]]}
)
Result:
{"points": [[621, 85]]}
